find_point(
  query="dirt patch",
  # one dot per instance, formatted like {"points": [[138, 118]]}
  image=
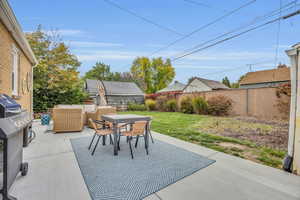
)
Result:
{"points": [[271, 134], [232, 145]]}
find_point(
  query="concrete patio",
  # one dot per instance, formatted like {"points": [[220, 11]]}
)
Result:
{"points": [[55, 175]]}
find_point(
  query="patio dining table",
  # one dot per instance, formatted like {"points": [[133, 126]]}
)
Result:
{"points": [[116, 119]]}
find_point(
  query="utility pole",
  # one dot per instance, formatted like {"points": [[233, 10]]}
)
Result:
{"points": [[250, 67]]}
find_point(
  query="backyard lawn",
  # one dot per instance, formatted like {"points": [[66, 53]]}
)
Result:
{"points": [[259, 141]]}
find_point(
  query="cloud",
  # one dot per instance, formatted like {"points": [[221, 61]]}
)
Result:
{"points": [[70, 32], [282, 46], [83, 44], [63, 32], [110, 55], [193, 61], [230, 56], [199, 66], [154, 45]]}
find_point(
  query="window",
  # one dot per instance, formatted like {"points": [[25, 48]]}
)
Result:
{"points": [[15, 71]]}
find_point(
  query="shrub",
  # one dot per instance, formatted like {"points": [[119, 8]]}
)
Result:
{"points": [[137, 107], [200, 105], [161, 103], [150, 104], [219, 105], [171, 105], [283, 94], [186, 105]]}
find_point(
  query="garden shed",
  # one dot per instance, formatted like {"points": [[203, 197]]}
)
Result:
{"points": [[114, 93]]}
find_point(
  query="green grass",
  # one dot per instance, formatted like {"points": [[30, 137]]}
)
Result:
{"points": [[186, 127]]}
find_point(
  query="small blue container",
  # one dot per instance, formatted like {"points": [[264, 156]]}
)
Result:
{"points": [[45, 119]]}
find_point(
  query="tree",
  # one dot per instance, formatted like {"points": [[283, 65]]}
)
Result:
{"points": [[226, 82], [241, 78], [152, 75], [101, 71], [56, 79]]}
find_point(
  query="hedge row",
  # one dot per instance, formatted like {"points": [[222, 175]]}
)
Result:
{"points": [[218, 105]]}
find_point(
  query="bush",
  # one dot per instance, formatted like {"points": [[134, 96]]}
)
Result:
{"points": [[283, 94], [186, 105], [171, 105], [219, 105], [200, 105], [137, 107], [150, 104], [161, 103]]}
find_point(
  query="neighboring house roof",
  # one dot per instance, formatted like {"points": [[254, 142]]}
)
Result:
{"points": [[121, 88], [9, 20], [113, 88], [176, 86], [215, 85], [267, 76]]}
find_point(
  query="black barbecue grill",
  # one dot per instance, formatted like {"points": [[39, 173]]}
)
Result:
{"points": [[13, 122]]}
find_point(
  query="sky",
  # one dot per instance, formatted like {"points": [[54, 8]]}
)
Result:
{"points": [[98, 31]]}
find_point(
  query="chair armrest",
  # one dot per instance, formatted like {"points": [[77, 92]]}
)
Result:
{"points": [[99, 121]]}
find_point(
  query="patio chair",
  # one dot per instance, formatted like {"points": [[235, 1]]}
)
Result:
{"points": [[100, 132], [150, 134], [137, 129], [101, 110]]}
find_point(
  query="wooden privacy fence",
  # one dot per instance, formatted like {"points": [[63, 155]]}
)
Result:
{"points": [[256, 102]]}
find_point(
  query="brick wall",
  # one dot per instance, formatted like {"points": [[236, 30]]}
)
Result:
{"points": [[25, 69]]}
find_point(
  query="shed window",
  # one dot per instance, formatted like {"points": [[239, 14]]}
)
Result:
{"points": [[15, 70]]}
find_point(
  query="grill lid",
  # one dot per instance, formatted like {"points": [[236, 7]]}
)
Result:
{"points": [[9, 104]]}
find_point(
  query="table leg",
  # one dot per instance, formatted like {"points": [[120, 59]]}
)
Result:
{"points": [[104, 140], [147, 138], [115, 130], [104, 137]]}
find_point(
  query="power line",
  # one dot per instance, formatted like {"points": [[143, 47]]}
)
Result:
{"points": [[284, 8], [254, 21], [203, 27], [230, 70], [239, 34], [142, 18], [202, 4]]}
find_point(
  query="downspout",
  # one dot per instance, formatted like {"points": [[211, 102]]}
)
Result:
{"points": [[31, 98], [288, 161]]}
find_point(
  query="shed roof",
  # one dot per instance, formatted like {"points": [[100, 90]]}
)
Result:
{"points": [[113, 88], [92, 87], [121, 88], [215, 85], [267, 76], [176, 86]]}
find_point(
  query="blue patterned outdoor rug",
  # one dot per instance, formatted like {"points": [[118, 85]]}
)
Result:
{"points": [[121, 178]]}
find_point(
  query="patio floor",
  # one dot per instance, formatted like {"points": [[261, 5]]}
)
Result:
{"points": [[54, 174]]}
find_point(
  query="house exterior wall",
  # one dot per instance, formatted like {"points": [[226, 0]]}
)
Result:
{"points": [[196, 86], [24, 96], [261, 85], [296, 163], [296, 166], [294, 125]]}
